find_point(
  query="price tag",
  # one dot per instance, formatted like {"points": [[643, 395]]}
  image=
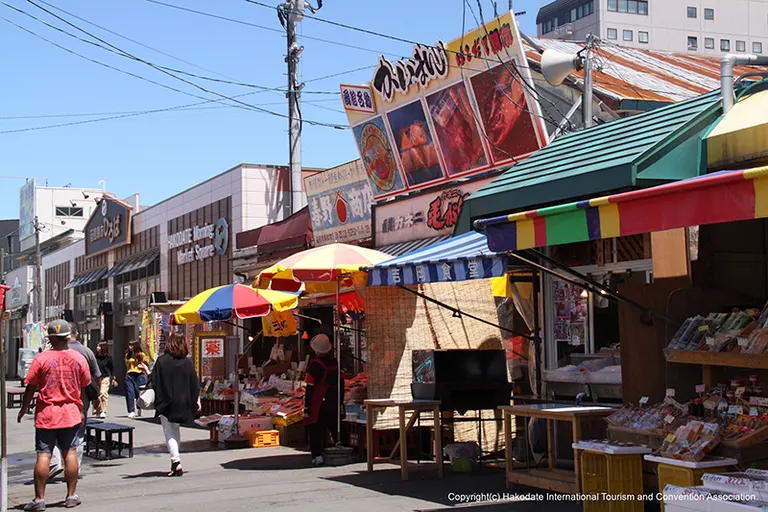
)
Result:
{"points": [[735, 409], [763, 402], [709, 405], [743, 342], [703, 328], [669, 418], [643, 400], [740, 391], [723, 405], [670, 392], [701, 388], [710, 341], [753, 400], [670, 438], [753, 411]]}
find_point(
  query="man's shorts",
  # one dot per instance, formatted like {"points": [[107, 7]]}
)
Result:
{"points": [[65, 438]]}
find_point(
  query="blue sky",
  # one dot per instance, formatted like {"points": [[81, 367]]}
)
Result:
{"points": [[158, 155]]}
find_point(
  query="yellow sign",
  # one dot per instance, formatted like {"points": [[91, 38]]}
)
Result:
{"points": [[279, 324]]}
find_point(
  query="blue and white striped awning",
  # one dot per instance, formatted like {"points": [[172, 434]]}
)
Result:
{"points": [[403, 248], [462, 258]]}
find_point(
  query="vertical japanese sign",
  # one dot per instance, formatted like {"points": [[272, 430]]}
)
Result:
{"points": [[340, 202], [27, 210], [212, 349], [449, 110]]}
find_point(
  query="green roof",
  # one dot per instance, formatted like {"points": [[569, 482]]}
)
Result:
{"points": [[643, 150]]}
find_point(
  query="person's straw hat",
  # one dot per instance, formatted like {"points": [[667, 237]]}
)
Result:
{"points": [[321, 344]]}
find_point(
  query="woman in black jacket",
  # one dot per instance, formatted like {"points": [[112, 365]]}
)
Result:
{"points": [[177, 395]]}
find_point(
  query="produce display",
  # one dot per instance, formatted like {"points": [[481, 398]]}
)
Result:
{"points": [[692, 441]]}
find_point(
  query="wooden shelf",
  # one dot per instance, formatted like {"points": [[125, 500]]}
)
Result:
{"points": [[700, 357]]}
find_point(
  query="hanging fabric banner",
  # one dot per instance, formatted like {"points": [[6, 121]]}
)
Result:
{"points": [[278, 324]]}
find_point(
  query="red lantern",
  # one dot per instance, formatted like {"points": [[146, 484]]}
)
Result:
{"points": [[3, 289]]}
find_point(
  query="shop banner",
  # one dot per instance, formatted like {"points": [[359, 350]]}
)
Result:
{"points": [[339, 201], [35, 337], [109, 226], [424, 216], [448, 111], [279, 324], [438, 272], [27, 210]]}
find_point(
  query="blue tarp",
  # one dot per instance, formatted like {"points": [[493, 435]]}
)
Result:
{"points": [[462, 258]]}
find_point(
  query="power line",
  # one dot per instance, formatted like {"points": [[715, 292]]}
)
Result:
{"points": [[173, 70], [270, 29], [172, 75], [133, 40]]}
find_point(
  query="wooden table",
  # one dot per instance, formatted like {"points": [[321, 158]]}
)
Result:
{"points": [[415, 407], [551, 478]]}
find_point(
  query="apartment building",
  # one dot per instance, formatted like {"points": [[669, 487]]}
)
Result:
{"points": [[708, 27]]}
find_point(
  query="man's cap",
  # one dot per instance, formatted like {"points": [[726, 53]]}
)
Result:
{"points": [[59, 329]]}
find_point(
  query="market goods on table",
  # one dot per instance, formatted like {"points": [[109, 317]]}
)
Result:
{"points": [[743, 331]]}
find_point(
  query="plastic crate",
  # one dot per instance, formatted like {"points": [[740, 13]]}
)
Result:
{"points": [[683, 477], [263, 438], [616, 475], [288, 420]]}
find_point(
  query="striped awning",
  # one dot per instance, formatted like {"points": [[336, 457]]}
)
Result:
{"points": [[715, 198], [403, 248], [86, 278], [462, 258]]}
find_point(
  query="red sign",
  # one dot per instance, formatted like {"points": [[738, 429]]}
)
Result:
{"points": [[213, 347], [444, 211]]}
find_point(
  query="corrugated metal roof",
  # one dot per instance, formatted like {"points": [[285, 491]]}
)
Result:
{"points": [[630, 73], [600, 159]]}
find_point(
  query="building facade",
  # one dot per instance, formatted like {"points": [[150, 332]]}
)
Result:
{"points": [[709, 27], [9, 242]]}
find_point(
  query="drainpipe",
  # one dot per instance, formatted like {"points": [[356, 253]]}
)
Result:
{"points": [[727, 63]]}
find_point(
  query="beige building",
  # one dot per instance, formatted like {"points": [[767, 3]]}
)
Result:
{"points": [[709, 27]]}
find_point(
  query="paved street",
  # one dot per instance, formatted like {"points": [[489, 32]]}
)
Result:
{"points": [[214, 479]]}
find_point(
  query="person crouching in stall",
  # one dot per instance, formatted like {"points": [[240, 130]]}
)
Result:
{"points": [[322, 399]]}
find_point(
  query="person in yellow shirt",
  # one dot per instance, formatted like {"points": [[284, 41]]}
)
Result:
{"points": [[135, 376]]}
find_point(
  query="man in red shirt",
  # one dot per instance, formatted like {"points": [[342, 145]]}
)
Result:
{"points": [[60, 374]]}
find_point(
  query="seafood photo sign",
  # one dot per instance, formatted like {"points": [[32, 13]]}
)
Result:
{"points": [[339, 201], [449, 111]]}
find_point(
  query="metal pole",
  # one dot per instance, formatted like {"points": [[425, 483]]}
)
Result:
{"points": [[336, 322], [295, 8], [38, 275], [586, 104], [3, 419]]}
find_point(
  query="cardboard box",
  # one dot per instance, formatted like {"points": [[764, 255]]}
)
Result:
{"points": [[293, 435], [256, 423]]}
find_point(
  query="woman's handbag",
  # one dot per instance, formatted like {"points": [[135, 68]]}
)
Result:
{"points": [[147, 399]]}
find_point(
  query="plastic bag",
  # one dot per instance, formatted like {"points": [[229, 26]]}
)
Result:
{"points": [[462, 450]]}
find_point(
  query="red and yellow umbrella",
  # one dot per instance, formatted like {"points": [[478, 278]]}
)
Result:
{"points": [[233, 301], [321, 268]]}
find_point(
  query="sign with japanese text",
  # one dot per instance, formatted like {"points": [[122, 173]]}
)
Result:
{"points": [[278, 324], [424, 216], [339, 201], [109, 226], [27, 210], [358, 98], [213, 347], [448, 111]]}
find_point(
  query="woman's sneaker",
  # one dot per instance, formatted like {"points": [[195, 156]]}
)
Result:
{"points": [[103, 415], [318, 461], [35, 505], [131, 415], [72, 501]]}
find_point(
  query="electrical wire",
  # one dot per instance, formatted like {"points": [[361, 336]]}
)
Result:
{"points": [[477, 121], [270, 29], [174, 76], [173, 70], [521, 80]]}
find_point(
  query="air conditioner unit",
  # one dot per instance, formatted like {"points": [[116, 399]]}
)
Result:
{"points": [[564, 31]]}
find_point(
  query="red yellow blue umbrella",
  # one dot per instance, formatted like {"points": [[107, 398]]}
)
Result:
{"points": [[233, 301]]}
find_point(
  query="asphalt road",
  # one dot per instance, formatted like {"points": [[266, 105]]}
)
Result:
{"points": [[248, 479]]}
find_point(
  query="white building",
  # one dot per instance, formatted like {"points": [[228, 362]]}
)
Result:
{"points": [[709, 27], [58, 210]]}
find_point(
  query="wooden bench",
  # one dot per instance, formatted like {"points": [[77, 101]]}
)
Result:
{"points": [[100, 437], [15, 399]]}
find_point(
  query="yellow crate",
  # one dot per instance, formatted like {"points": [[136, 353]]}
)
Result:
{"points": [[615, 475], [263, 438], [682, 477], [284, 421]]}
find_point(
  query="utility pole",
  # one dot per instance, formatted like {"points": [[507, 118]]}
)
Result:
{"points": [[3, 417], [586, 101], [38, 275], [290, 13]]}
